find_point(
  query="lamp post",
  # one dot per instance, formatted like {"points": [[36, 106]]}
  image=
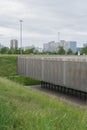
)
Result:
{"points": [[21, 36]]}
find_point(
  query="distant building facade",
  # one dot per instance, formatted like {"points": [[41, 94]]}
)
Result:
{"points": [[14, 44], [54, 46], [65, 45], [50, 47], [1, 46], [69, 45], [27, 47], [85, 45], [73, 46]]}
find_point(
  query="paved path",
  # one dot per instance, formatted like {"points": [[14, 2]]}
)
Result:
{"points": [[59, 96]]}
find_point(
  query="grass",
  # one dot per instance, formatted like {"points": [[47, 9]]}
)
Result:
{"points": [[8, 66], [24, 109], [24, 80]]}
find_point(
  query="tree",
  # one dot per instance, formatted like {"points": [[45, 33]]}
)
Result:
{"points": [[84, 50], [11, 51], [36, 51], [69, 52], [29, 51], [4, 50], [61, 51]]}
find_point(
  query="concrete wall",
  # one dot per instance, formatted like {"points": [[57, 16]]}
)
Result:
{"points": [[59, 70]]}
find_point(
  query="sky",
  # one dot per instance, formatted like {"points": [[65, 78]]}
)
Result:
{"points": [[42, 20]]}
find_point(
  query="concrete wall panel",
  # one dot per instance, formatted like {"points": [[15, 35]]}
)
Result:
{"points": [[67, 71]]}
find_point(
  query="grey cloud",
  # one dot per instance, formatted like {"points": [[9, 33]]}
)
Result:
{"points": [[46, 18]]}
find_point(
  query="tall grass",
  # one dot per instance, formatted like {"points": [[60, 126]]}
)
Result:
{"points": [[24, 109]]}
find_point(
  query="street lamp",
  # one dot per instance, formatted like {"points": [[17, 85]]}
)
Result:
{"points": [[21, 36]]}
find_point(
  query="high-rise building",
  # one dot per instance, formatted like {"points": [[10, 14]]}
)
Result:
{"points": [[73, 46], [14, 44], [69, 45]]}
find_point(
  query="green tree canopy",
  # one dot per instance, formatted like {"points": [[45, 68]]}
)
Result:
{"points": [[29, 51], [84, 50], [69, 52], [4, 50], [61, 51]]}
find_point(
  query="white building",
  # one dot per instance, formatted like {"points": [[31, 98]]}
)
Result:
{"points": [[27, 47], [65, 44], [54, 46], [50, 47], [69, 45]]}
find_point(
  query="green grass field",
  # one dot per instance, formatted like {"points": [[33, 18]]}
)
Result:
{"points": [[22, 109], [8, 67], [25, 109]]}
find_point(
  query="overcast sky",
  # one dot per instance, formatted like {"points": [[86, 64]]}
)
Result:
{"points": [[43, 19]]}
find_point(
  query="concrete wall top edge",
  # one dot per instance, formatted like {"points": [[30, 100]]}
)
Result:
{"points": [[57, 58]]}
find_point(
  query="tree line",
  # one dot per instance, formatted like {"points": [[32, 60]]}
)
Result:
{"points": [[61, 51]]}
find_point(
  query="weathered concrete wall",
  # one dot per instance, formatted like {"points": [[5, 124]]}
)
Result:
{"points": [[69, 71]]}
